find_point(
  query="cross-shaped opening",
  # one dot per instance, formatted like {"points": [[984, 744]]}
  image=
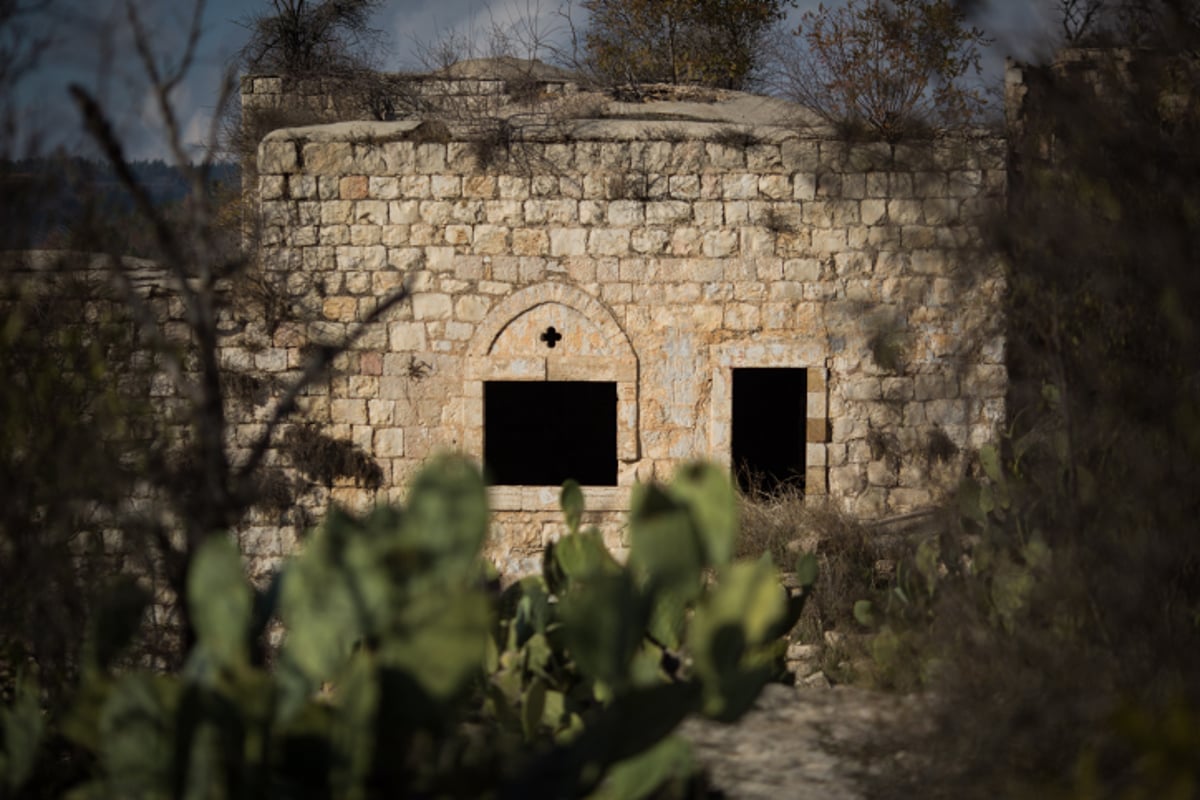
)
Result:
{"points": [[551, 337]]}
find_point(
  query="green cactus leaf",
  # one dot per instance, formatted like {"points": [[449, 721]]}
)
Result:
{"points": [[440, 641], [571, 501], [321, 614], [646, 668], [1011, 588], [570, 730], [532, 613], [668, 561], [926, 561], [885, 648], [583, 556], [533, 708], [199, 752], [639, 776], [137, 736], [22, 725], [447, 512], [554, 708], [668, 618], [807, 570], [220, 601], [664, 551], [731, 634], [989, 458], [864, 613], [538, 653], [634, 723], [972, 504], [1037, 554], [508, 682], [987, 501], [603, 624], [354, 722], [712, 501]]}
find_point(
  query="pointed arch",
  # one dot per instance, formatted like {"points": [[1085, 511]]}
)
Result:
{"points": [[553, 332]]}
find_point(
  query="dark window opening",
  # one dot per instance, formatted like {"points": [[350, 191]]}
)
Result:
{"points": [[770, 410], [539, 433]]}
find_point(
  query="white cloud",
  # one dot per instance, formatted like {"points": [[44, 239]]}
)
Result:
{"points": [[472, 24]]}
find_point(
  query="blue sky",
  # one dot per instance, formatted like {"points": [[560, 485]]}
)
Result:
{"points": [[93, 48]]}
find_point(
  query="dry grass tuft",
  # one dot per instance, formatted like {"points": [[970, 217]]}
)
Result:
{"points": [[785, 524]]}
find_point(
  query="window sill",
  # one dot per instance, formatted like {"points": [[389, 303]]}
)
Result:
{"points": [[546, 498]]}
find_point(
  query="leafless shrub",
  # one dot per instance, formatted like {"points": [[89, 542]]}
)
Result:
{"points": [[739, 138]]}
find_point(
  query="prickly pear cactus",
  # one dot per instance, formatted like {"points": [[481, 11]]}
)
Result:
{"points": [[403, 673], [678, 629]]}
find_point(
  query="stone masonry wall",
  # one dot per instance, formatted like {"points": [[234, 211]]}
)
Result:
{"points": [[668, 254], [337, 100]]}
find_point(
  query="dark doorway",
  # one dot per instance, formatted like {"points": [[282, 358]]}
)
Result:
{"points": [[770, 410], [542, 433]]}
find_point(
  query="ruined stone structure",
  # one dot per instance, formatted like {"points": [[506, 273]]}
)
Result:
{"points": [[674, 281]]}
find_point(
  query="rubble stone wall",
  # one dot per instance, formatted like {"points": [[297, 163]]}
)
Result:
{"points": [[667, 254]]}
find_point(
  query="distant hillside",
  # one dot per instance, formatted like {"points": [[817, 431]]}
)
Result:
{"points": [[53, 201]]}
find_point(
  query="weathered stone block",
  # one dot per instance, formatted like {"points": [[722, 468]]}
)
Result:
{"points": [[626, 213], [800, 155], [848, 480], [427, 306], [825, 242], [739, 187], [491, 240], [719, 244], [389, 442], [445, 187], [873, 212], [901, 500], [530, 242], [479, 186], [429, 158], [353, 187], [608, 242], [684, 187]]}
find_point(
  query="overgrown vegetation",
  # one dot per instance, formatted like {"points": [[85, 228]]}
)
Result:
{"points": [[710, 42], [1056, 615], [1056, 611], [72, 447], [887, 69], [298, 38], [849, 557], [403, 673]]}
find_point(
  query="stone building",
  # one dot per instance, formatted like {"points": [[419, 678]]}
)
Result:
{"points": [[604, 289]]}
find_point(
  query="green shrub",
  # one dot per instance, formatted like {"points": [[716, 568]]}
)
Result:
{"points": [[403, 673]]}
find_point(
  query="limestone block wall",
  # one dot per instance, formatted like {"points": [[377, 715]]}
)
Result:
{"points": [[666, 256], [340, 99]]}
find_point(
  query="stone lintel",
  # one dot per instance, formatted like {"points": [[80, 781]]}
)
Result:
{"points": [[546, 498], [591, 368], [506, 369]]}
